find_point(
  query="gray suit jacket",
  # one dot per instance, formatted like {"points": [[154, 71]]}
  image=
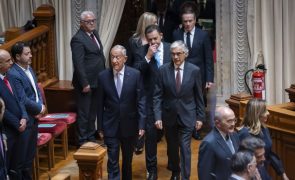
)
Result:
{"points": [[188, 104], [88, 59]]}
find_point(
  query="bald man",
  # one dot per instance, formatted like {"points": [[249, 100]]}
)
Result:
{"points": [[218, 146], [14, 119]]}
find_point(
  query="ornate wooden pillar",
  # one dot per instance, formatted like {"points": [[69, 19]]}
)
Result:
{"points": [[90, 163], [45, 15]]}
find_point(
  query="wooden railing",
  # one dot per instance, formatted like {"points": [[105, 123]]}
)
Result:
{"points": [[42, 43]]}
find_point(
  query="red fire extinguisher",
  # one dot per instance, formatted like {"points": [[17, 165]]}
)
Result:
{"points": [[258, 79]]}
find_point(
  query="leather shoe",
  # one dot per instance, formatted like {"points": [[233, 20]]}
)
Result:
{"points": [[175, 176], [152, 176]]}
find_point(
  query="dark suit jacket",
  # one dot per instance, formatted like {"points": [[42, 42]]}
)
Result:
{"points": [[3, 171], [123, 115], [88, 59], [150, 71], [25, 90], [215, 156], [188, 104], [201, 54], [14, 109]]}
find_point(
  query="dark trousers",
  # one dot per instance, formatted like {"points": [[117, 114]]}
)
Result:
{"points": [[87, 112], [15, 160], [179, 137], [151, 135], [113, 149]]}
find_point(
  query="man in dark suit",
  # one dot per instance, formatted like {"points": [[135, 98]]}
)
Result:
{"points": [[179, 104], [88, 61], [243, 165], [3, 170], [218, 146], [198, 42], [14, 119], [147, 61], [28, 92], [121, 112]]}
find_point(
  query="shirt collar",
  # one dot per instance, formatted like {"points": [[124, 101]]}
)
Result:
{"points": [[192, 31], [120, 72], [22, 67], [2, 76], [181, 66], [237, 177], [160, 48]]}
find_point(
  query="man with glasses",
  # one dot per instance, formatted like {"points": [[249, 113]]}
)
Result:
{"points": [[218, 146], [88, 61], [179, 107], [243, 165], [121, 112]]}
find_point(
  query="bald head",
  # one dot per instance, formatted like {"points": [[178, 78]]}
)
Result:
{"points": [[225, 119], [5, 61]]}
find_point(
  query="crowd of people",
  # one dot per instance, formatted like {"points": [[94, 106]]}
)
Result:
{"points": [[151, 86]]}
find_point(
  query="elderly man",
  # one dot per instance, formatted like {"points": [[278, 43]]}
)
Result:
{"points": [[218, 146], [14, 119], [121, 112], [88, 61], [243, 165], [178, 105]]}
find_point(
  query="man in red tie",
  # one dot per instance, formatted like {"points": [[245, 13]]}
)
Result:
{"points": [[14, 119], [179, 107]]}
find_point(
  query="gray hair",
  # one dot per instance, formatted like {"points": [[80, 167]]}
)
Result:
{"points": [[85, 13], [220, 112], [240, 161], [122, 48], [252, 143], [179, 44]]}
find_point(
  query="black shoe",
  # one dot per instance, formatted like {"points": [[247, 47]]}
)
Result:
{"points": [[175, 176], [138, 151], [196, 135], [152, 176]]}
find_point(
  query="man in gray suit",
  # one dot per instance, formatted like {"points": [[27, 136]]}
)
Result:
{"points": [[178, 104], [88, 61]]}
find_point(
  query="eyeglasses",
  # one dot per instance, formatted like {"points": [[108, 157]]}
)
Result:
{"points": [[116, 57], [177, 54], [89, 21], [231, 121]]}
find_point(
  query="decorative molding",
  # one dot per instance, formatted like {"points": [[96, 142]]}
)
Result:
{"points": [[241, 51]]}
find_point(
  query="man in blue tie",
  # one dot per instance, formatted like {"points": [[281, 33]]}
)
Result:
{"points": [[218, 146], [121, 112]]}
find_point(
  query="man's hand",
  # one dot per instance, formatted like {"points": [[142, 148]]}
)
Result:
{"points": [[199, 125], [100, 134], [43, 110], [209, 85], [284, 176], [151, 51], [140, 133], [23, 125], [159, 124], [86, 89]]}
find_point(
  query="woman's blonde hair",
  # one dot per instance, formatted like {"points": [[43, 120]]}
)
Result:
{"points": [[145, 20], [254, 110]]}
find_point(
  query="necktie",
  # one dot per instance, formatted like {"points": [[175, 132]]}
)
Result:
{"points": [[119, 84], [7, 84], [188, 40], [161, 21], [93, 39], [158, 58], [229, 144], [178, 80]]}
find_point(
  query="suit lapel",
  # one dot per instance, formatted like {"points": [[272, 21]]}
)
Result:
{"points": [[24, 75], [113, 85], [166, 53], [125, 80], [222, 143], [185, 77], [172, 78]]}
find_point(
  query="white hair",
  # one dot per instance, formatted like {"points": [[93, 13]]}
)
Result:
{"points": [[122, 48], [86, 13], [179, 44]]}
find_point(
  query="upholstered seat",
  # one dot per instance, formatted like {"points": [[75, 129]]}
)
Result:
{"points": [[67, 117]]}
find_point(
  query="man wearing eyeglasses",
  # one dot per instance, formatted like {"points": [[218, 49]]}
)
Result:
{"points": [[121, 112], [218, 146], [179, 108], [89, 61]]}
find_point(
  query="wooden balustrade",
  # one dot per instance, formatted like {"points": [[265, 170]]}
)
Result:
{"points": [[42, 43]]}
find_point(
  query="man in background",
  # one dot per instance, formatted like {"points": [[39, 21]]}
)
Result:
{"points": [[88, 61]]}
